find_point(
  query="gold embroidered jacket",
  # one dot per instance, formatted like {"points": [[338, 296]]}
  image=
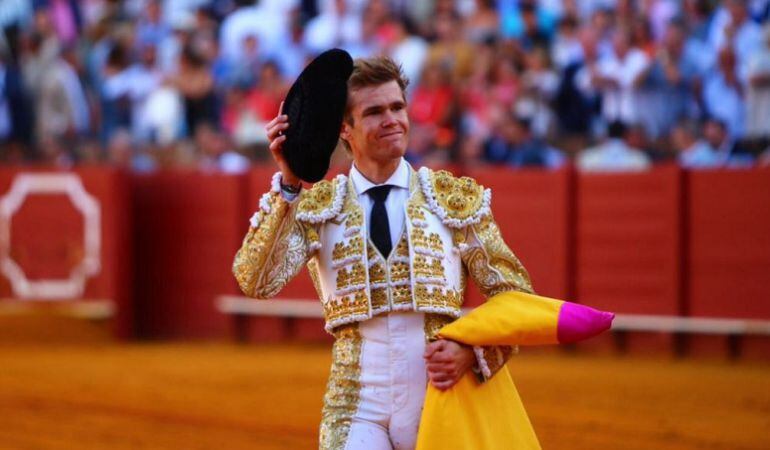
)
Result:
{"points": [[449, 234]]}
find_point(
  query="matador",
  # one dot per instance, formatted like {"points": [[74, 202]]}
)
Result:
{"points": [[389, 249]]}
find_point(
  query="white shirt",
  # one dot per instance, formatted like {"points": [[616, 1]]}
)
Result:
{"points": [[621, 103], [613, 155], [700, 155], [269, 26], [395, 202]]}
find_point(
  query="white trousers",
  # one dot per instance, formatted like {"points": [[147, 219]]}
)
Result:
{"points": [[393, 382]]}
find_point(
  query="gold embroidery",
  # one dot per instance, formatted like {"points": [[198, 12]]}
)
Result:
{"points": [[355, 275], [402, 295], [346, 307], [436, 297], [399, 271], [419, 239], [493, 266], [415, 212], [459, 197], [433, 323], [495, 357], [354, 247], [434, 242], [355, 218], [379, 298], [312, 236], [402, 248], [343, 388], [433, 269], [315, 275], [377, 273], [317, 199], [249, 262], [285, 260], [371, 253]]}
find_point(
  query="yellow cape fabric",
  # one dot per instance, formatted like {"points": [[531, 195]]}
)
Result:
{"points": [[509, 318], [473, 416], [490, 415]]}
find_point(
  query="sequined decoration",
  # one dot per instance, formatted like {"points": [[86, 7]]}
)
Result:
{"points": [[286, 260], [496, 357], [433, 323], [317, 199], [343, 388], [493, 265], [250, 260], [461, 197], [315, 275]]}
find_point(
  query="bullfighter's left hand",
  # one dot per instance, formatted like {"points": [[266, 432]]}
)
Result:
{"points": [[447, 361]]}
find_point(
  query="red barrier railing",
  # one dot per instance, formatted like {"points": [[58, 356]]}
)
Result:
{"points": [[187, 229], [660, 242], [728, 258], [628, 241]]}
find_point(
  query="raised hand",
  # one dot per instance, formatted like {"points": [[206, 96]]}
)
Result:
{"points": [[275, 129]]}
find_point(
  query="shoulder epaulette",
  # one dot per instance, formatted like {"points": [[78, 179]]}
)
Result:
{"points": [[458, 202], [323, 201]]}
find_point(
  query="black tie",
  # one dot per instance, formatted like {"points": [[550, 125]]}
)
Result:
{"points": [[379, 230]]}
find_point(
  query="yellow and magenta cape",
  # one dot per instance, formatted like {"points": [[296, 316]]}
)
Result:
{"points": [[490, 416]]}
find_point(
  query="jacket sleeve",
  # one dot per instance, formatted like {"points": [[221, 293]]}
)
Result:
{"points": [[275, 248], [494, 268]]}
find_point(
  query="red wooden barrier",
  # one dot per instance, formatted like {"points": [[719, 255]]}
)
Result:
{"points": [[188, 228], [66, 237], [628, 241], [729, 253], [532, 209], [729, 243], [628, 249], [624, 233]]}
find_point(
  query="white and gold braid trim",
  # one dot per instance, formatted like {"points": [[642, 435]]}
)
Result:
{"points": [[352, 318], [483, 366], [349, 289], [439, 281], [446, 310], [346, 261], [323, 201], [352, 231], [399, 259], [429, 252], [264, 201], [275, 182]]}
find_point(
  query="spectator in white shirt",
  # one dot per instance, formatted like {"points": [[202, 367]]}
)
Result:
{"points": [[265, 21], [135, 84], [716, 133], [336, 26], [723, 94], [733, 28], [614, 154], [617, 77], [758, 90], [693, 152]]}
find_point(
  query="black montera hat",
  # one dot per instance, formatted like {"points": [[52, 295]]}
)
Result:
{"points": [[315, 106]]}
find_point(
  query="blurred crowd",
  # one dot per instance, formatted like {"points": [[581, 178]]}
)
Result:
{"points": [[602, 84]]}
